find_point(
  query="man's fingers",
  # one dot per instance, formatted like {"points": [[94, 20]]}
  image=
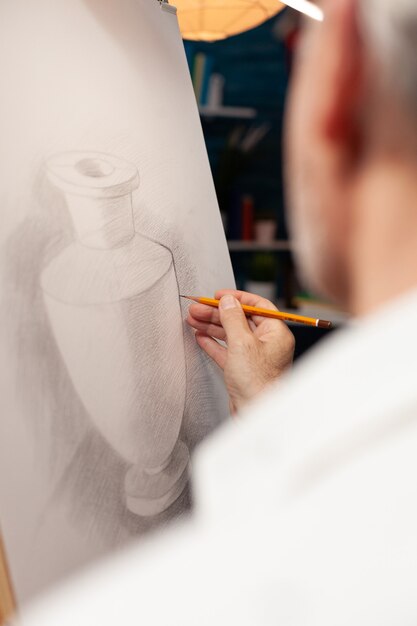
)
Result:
{"points": [[244, 297], [201, 313], [204, 313], [233, 320], [249, 299], [212, 330], [207, 313], [213, 349], [269, 328]]}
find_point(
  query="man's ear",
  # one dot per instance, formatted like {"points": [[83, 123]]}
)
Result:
{"points": [[344, 74]]}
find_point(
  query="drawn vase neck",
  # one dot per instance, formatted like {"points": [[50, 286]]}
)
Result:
{"points": [[98, 190]]}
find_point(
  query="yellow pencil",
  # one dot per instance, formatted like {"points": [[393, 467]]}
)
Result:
{"points": [[278, 315]]}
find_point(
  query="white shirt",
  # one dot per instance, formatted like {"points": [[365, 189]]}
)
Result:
{"points": [[306, 510]]}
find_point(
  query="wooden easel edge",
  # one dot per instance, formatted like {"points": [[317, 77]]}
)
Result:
{"points": [[8, 604]]}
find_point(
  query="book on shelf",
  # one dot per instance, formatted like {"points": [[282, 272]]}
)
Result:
{"points": [[201, 73], [247, 218]]}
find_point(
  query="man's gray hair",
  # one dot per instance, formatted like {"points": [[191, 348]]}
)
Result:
{"points": [[391, 28]]}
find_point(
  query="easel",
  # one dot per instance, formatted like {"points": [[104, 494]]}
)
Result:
{"points": [[7, 599]]}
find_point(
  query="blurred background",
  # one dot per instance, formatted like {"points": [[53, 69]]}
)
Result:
{"points": [[241, 86]]}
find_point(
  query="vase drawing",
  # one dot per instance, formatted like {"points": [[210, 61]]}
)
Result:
{"points": [[113, 305]]}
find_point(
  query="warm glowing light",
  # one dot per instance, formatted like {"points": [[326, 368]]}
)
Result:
{"points": [[306, 7], [210, 20]]}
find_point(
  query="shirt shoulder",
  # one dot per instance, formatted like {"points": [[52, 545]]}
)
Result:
{"points": [[351, 391]]}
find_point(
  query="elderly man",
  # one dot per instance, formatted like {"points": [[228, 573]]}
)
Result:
{"points": [[306, 508]]}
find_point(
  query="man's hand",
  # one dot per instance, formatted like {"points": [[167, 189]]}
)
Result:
{"points": [[259, 350]]}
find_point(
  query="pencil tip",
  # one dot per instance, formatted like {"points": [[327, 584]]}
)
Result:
{"points": [[189, 298]]}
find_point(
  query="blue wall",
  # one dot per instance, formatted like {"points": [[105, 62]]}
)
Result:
{"points": [[255, 67]]}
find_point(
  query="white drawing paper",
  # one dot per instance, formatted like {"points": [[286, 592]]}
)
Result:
{"points": [[108, 214]]}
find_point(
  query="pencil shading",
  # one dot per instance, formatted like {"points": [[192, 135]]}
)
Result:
{"points": [[112, 300], [108, 214]]}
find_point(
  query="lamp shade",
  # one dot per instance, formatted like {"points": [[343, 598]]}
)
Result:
{"points": [[210, 20]]}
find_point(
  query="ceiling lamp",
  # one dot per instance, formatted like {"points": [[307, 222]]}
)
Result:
{"points": [[210, 20]]}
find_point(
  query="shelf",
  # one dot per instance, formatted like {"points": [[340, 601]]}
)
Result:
{"points": [[233, 112], [323, 312], [255, 246]]}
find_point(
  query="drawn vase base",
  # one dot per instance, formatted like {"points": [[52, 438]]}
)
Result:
{"points": [[152, 491]]}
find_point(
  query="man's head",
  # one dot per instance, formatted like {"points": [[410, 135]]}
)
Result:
{"points": [[353, 106]]}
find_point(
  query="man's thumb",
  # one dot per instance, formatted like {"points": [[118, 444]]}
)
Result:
{"points": [[233, 319]]}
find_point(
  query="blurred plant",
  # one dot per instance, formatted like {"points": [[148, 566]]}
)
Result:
{"points": [[264, 267]]}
